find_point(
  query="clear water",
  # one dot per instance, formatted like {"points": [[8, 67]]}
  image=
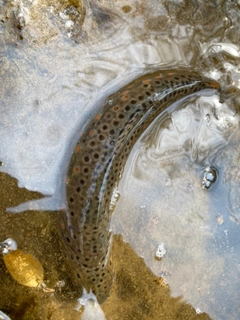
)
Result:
{"points": [[58, 63]]}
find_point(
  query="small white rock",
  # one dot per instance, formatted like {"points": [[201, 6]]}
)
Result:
{"points": [[69, 24], [161, 251], [198, 311], [92, 309]]}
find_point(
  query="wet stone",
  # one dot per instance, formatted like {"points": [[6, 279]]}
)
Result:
{"points": [[209, 177]]}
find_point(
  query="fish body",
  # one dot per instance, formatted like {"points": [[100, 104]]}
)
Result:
{"points": [[97, 163]]}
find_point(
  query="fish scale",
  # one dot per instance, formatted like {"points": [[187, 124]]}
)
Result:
{"points": [[97, 163]]}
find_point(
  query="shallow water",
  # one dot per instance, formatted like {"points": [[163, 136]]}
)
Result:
{"points": [[56, 68]]}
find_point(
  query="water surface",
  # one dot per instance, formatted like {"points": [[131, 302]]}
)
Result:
{"points": [[58, 63]]}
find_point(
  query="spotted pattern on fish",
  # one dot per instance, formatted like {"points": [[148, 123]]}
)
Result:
{"points": [[97, 163]]}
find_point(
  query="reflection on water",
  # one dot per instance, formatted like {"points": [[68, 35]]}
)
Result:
{"points": [[59, 60], [175, 210]]}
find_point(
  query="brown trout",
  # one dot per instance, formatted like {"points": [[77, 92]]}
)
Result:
{"points": [[97, 164]]}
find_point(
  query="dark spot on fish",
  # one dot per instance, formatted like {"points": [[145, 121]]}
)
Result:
{"points": [[105, 127], [101, 137], [121, 116]]}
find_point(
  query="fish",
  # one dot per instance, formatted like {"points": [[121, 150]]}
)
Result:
{"points": [[96, 166]]}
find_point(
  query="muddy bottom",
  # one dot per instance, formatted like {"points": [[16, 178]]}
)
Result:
{"points": [[137, 293]]}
